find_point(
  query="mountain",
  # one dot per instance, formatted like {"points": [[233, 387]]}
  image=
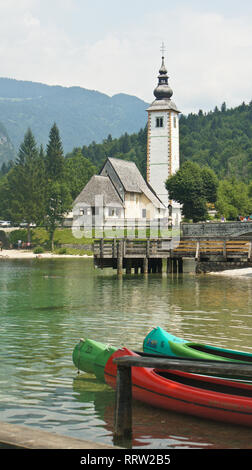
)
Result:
{"points": [[81, 115], [220, 139], [7, 150]]}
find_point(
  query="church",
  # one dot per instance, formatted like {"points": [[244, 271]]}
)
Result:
{"points": [[119, 192]]}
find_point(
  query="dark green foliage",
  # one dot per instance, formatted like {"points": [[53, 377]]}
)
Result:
{"points": [[57, 193], [233, 199], [78, 171], [193, 187], [3, 239], [54, 160], [128, 147], [7, 151], [16, 235], [23, 186], [5, 168], [221, 139]]}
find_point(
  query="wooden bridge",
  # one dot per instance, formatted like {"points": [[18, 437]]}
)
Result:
{"points": [[148, 255]]}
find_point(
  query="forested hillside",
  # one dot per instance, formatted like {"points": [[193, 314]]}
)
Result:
{"points": [[128, 147], [82, 115], [221, 139], [7, 151]]}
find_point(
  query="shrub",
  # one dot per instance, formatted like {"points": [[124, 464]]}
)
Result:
{"points": [[38, 250], [16, 235]]}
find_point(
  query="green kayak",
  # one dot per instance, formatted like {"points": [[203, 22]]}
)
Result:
{"points": [[91, 356], [160, 342]]}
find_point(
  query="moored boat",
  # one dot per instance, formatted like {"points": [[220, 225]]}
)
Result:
{"points": [[203, 396], [161, 342], [198, 395]]}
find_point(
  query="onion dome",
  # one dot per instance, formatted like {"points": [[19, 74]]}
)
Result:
{"points": [[163, 90]]}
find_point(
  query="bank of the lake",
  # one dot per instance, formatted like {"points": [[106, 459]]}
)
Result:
{"points": [[29, 254], [48, 304]]}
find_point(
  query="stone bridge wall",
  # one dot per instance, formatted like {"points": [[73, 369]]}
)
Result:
{"points": [[217, 230]]}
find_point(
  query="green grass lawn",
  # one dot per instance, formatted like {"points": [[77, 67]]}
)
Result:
{"points": [[62, 236]]}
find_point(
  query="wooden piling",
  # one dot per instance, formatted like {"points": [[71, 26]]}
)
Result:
{"points": [[123, 408], [169, 265], [119, 258], [145, 265], [180, 265], [128, 266]]}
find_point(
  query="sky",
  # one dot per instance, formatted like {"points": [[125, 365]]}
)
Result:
{"points": [[114, 47]]}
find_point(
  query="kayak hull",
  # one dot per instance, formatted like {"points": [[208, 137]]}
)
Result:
{"points": [[91, 356], [187, 393], [161, 342]]}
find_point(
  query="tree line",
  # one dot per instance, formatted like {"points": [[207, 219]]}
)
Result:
{"points": [[216, 169], [198, 189], [40, 186]]}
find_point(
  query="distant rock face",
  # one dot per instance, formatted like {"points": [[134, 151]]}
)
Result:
{"points": [[7, 150], [82, 116]]}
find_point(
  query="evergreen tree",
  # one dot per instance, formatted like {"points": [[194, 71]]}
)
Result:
{"points": [[54, 155], [78, 170], [25, 185], [58, 197]]}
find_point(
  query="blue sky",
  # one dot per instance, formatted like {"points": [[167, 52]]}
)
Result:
{"points": [[114, 47]]}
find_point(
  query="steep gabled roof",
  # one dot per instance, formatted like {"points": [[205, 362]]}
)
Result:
{"points": [[99, 186], [133, 181]]}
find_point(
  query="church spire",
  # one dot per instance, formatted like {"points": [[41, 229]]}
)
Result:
{"points": [[163, 90]]}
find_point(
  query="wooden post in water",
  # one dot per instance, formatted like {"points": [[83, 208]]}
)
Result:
{"points": [[145, 265], [128, 266], [180, 265], [119, 258], [123, 408], [169, 265]]}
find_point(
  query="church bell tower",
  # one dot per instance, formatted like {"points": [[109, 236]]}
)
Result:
{"points": [[163, 140]]}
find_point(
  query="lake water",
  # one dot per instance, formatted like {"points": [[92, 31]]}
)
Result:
{"points": [[47, 305]]}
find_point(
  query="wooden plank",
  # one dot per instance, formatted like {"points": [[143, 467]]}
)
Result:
{"points": [[28, 437], [195, 366], [197, 254], [250, 251]]}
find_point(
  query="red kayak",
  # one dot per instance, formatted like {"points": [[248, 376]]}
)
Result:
{"points": [[207, 397]]}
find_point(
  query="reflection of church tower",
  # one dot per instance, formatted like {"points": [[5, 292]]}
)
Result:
{"points": [[163, 138]]}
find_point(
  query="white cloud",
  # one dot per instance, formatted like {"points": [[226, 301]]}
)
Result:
{"points": [[208, 54]]}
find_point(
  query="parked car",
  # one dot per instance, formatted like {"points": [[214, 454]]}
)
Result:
{"points": [[5, 223]]}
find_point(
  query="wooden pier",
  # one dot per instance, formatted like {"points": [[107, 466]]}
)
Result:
{"points": [[155, 255], [13, 436]]}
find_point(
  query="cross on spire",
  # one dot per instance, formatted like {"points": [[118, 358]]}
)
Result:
{"points": [[162, 49]]}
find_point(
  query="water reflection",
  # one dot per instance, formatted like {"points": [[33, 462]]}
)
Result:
{"points": [[154, 428], [47, 305]]}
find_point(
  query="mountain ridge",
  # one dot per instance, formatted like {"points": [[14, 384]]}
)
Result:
{"points": [[82, 115]]}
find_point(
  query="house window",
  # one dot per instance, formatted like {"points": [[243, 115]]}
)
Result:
{"points": [[159, 122], [114, 212], [175, 121], [95, 210], [144, 213], [85, 211]]}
